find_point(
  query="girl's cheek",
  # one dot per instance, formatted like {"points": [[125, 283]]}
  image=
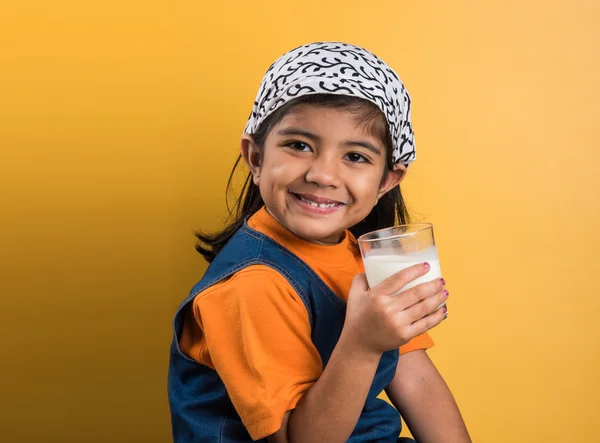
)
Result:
{"points": [[366, 182]]}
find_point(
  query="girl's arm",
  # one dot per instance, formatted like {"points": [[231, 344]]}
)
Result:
{"points": [[330, 409], [376, 321], [420, 394]]}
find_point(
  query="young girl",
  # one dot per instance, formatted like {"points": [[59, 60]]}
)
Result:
{"points": [[281, 340]]}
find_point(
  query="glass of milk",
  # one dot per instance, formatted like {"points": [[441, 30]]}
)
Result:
{"points": [[391, 250]]}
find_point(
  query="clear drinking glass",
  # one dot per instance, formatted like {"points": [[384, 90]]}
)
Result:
{"points": [[391, 250]]}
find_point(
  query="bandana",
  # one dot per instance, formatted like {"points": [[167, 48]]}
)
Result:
{"points": [[343, 69]]}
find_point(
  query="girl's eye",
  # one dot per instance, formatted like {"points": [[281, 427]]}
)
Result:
{"points": [[298, 146], [356, 158]]}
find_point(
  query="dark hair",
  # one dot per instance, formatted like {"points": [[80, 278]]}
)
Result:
{"points": [[390, 209]]}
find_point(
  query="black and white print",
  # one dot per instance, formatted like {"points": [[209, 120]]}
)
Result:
{"points": [[344, 69]]}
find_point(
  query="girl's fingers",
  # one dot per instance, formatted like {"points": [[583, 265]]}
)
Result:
{"points": [[397, 281], [359, 283], [428, 322], [426, 307], [418, 294]]}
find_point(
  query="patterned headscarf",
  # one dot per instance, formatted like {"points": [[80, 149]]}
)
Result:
{"points": [[343, 69]]}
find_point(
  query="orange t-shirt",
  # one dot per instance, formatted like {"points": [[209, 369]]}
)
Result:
{"points": [[253, 328]]}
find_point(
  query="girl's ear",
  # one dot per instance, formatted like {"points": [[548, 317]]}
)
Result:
{"points": [[392, 179], [251, 155]]}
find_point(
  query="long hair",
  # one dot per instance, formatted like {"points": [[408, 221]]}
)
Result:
{"points": [[390, 208]]}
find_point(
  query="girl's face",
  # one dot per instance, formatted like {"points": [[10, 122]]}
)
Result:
{"points": [[320, 173]]}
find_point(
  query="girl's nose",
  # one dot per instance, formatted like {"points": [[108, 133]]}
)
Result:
{"points": [[324, 172]]}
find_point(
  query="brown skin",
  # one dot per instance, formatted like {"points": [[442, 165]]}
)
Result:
{"points": [[331, 159], [376, 321], [321, 152], [420, 394]]}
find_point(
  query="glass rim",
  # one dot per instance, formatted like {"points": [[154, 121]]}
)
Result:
{"points": [[365, 237]]}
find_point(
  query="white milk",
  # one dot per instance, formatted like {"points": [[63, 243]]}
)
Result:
{"points": [[380, 267]]}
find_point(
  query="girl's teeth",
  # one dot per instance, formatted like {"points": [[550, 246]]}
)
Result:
{"points": [[317, 205]]}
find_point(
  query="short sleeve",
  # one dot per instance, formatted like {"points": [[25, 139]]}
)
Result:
{"points": [[422, 341], [259, 339]]}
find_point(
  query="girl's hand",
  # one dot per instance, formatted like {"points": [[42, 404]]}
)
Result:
{"points": [[378, 321]]}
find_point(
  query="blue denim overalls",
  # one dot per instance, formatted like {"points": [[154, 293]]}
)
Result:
{"points": [[201, 410]]}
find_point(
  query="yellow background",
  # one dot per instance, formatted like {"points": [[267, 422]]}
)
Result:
{"points": [[119, 123]]}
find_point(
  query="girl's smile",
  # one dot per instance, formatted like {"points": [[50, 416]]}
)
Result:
{"points": [[320, 171], [318, 205]]}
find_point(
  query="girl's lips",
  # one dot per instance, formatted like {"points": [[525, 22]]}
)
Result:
{"points": [[317, 205], [319, 200]]}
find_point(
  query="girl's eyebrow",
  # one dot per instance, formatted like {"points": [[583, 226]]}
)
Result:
{"points": [[315, 137], [301, 132]]}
